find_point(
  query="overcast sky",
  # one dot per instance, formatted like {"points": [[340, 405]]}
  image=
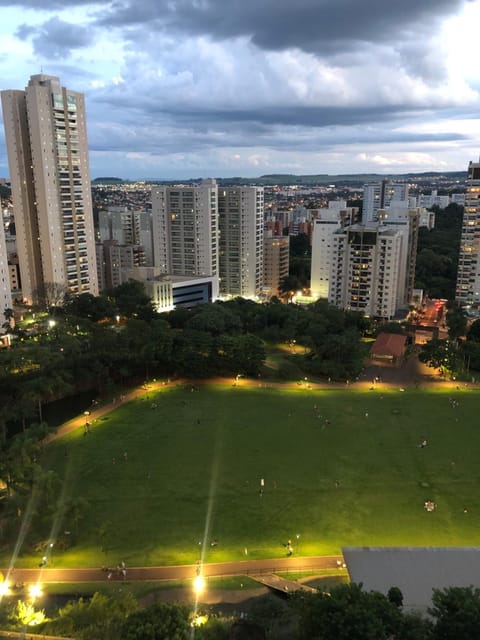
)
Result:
{"points": [[190, 88]]}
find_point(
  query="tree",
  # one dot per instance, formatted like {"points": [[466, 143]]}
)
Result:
{"points": [[347, 612], [474, 332], [441, 354], [132, 301], [50, 294], [289, 285], [456, 613], [158, 622], [456, 322], [99, 617], [94, 308]]}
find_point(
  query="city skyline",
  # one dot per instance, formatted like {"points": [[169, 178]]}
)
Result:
{"points": [[202, 88]]}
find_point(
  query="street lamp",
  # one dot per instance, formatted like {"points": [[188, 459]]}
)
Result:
{"points": [[199, 585], [87, 424], [35, 591]]}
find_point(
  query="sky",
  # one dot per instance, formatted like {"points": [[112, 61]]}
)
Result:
{"points": [[196, 88]]}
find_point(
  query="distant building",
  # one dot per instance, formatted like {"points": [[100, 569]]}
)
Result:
{"points": [[127, 227], [433, 199], [326, 223], [380, 195], [468, 273], [276, 261], [46, 136], [172, 292], [185, 229], [368, 271], [114, 259], [240, 223]]}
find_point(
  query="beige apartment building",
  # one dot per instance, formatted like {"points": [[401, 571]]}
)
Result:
{"points": [[468, 274], [240, 223], [276, 260], [46, 137]]}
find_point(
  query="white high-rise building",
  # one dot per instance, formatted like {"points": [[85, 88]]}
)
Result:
{"points": [[380, 195], [240, 221], [185, 229], [468, 274], [46, 136], [326, 223], [368, 270]]}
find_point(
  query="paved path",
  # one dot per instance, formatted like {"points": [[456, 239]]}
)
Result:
{"points": [[391, 378], [181, 572], [278, 583]]}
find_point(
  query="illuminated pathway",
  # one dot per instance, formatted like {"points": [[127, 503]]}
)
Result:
{"points": [[182, 572]]}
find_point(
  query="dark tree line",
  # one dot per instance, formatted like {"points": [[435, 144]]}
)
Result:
{"points": [[437, 253], [347, 612]]}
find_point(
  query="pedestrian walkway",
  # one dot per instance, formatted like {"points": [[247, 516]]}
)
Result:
{"points": [[283, 585], [180, 572]]}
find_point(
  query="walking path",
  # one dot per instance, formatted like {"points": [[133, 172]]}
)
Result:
{"points": [[412, 374], [181, 572]]}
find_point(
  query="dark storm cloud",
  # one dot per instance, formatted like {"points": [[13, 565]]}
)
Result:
{"points": [[321, 26], [56, 38], [305, 130]]}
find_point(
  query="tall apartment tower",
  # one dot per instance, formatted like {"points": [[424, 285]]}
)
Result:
{"points": [[185, 229], [326, 223], [368, 270], [240, 222], [276, 260], [468, 274], [46, 136]]}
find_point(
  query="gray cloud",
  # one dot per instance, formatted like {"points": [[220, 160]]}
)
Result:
{"points": [[51, 5], [56, 38], [321, 26]]}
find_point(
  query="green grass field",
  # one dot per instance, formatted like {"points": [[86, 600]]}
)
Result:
{"points": [[195, 464]]}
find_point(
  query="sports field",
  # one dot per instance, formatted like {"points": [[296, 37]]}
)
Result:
{"points": [[170, 473]]}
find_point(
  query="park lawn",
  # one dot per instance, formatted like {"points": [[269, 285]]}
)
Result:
{"points": [[195, 464]]}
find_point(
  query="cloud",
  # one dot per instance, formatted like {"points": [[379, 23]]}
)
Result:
{"points": [[51, 5], [243, 83], [56, 38], [327, 28]]}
